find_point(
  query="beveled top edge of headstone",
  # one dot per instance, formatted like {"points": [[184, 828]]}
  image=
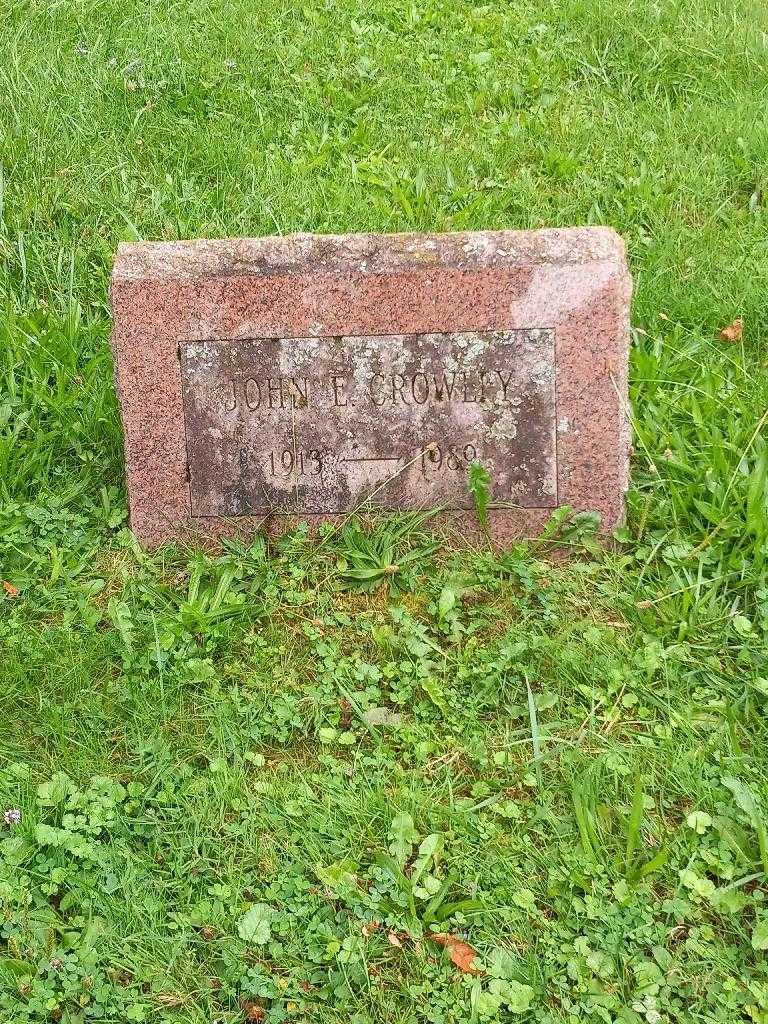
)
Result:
{"points": [[281, 255]]}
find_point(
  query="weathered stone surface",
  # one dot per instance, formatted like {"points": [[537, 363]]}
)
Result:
{"points": [[305, 375], [320, 425]]}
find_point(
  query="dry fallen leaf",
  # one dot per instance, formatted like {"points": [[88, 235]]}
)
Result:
{"points": [[171, 1000], [10, 590], [370, 928], [394, 940], [460, 952], [253, 1011], [733, 332], [346, 713]]}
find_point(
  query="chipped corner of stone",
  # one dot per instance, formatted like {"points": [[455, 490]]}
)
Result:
{"points": [[123, 256]]}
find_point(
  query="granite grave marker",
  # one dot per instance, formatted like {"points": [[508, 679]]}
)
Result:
{"points": [[300, 377]]}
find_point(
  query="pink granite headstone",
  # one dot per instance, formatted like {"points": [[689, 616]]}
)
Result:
{"points": [[309, 376]]}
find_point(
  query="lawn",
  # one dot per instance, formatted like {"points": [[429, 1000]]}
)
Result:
{"points": [[497, 786]]}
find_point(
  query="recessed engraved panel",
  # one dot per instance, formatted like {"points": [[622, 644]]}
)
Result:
{"points": [[323, 425]]}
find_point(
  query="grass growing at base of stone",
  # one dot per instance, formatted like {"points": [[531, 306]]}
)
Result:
{"points": [[248, 790], [245, 789]]}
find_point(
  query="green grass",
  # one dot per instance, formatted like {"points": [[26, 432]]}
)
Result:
{"points": [[248, 786]]}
